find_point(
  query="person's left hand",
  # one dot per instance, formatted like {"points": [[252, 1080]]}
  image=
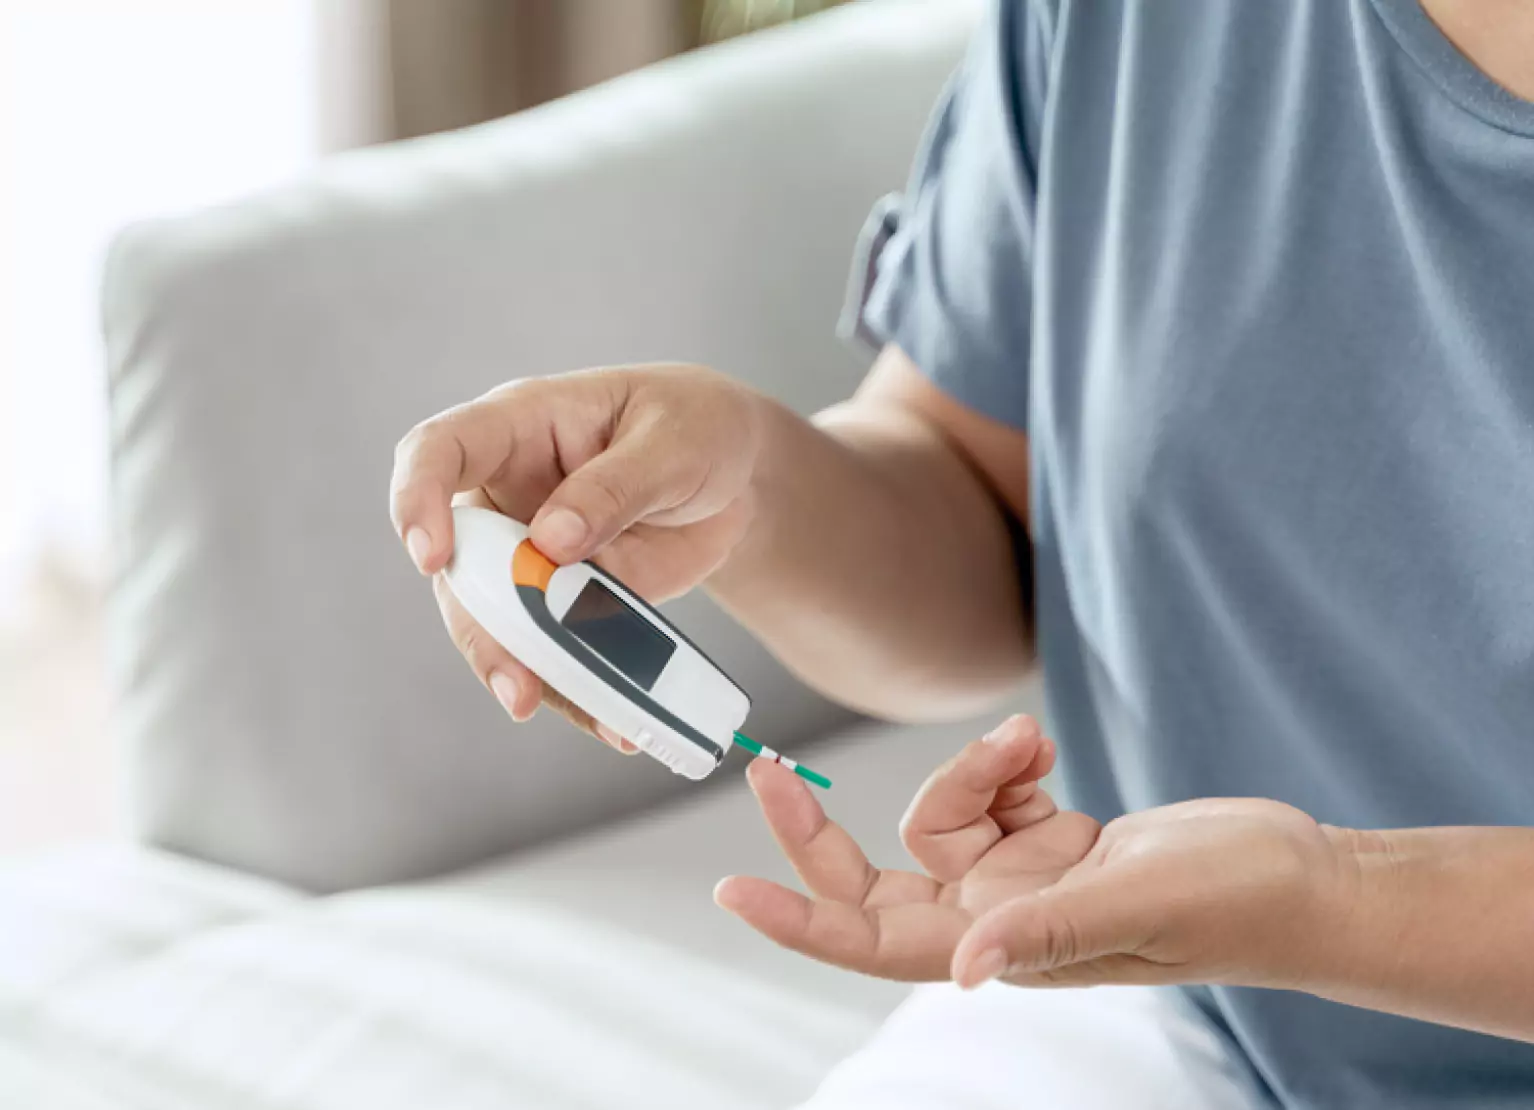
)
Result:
{"points": [[1223, 890]]}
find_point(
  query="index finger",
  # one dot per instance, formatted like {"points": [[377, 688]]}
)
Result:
{"points": [[823, 854], [456, 450], [473, 444]]}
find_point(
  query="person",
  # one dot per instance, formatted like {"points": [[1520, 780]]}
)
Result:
{"points": [[1207, 380]]}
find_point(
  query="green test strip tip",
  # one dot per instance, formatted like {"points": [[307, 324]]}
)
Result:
{"points": [[819, 780], [765, 752]]}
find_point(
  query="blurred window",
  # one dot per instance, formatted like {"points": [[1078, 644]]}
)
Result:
{"points": [[110, 110]]}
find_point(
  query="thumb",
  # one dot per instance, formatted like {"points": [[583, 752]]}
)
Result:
{"points": [[599, 500], [1049, 930]]}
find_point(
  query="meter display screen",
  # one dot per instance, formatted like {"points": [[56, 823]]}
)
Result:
{"points": [[604, 622]]}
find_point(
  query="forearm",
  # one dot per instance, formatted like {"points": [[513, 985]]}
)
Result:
{"points": [[878, 566], [1435, 924]]}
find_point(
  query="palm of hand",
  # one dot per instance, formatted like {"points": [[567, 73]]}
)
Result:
{"points": [[1024, 862], [981, 828]]}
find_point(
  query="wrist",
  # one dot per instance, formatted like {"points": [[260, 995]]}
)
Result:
{"points": [[775, 430], [1352, 907]]}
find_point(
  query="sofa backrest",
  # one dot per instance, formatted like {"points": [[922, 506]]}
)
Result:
{"points": [[289, 700]]}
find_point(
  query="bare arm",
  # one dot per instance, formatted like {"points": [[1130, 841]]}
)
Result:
{"points": [[1437, 927], [879, 565]]}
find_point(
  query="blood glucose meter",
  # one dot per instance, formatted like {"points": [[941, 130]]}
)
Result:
{"points": [[589, 637]]}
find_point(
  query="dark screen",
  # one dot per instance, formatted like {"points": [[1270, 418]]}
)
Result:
{"points": [[605, 624]]}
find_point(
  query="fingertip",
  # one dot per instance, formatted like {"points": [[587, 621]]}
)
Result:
{"points": [[757, 773], [418, 543], [422, 515], [767, 907], [616, 742], [1009, 731], [561, 534], [789, 806], [974, 951], [1027, 727], [726, 892], [506, 690], [741, 894], [993, 762], [527, 690], [971, 971], [1018, 738], [768, 775]]}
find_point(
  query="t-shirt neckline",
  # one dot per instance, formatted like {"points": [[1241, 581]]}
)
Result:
{"points": [[1461, 79]]}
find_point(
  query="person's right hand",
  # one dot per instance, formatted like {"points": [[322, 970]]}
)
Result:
{"points": [[648, 469]]}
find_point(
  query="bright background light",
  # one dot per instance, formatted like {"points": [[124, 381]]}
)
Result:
{"points": [[110, 111]]}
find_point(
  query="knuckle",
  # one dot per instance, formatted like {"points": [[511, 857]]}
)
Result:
{"points": [[409, 455], [568, 709], [514, 389], [410, 445], [435, 433], [405, 452], [469, 641], [478, 649], [1062, 943], [453, 614], [1054, 978]]}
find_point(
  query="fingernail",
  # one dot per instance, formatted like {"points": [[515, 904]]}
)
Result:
{"points": [[999, 733], [418, 543], [983, 968], [562, 529], [505, 689]]}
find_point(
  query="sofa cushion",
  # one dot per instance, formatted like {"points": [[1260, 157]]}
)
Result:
{"points": [[595, 973]]}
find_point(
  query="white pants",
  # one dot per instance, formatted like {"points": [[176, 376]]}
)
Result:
{"points": [[1005, 1048]]}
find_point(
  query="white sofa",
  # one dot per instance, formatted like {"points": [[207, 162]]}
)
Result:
{"points": [[352, 883]]}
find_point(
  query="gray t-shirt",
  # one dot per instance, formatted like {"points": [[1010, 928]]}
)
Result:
{"points": [[1257, 278]]}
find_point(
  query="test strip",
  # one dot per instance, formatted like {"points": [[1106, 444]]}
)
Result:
{"points": [[762, 751]]}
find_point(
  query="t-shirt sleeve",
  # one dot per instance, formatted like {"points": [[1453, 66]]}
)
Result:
{"points": [[945, 270]]}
